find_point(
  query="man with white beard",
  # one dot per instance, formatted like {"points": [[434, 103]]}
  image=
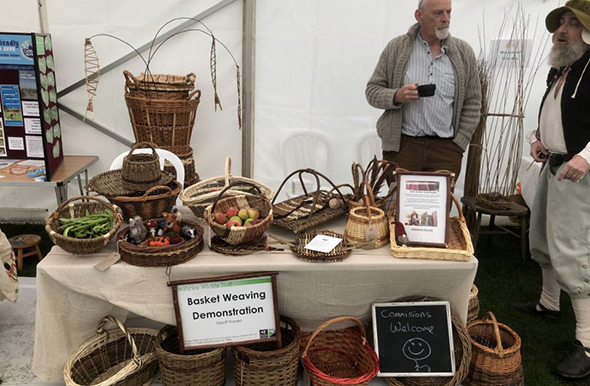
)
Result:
{"points": [[560, 216], [426, 133]]}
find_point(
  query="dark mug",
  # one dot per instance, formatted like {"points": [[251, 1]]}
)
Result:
{"points": [[426, 90]]}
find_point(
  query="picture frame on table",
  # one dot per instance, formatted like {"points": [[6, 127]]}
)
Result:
{"points": [[423, 205]]}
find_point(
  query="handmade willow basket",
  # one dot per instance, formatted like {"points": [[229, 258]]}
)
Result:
{"points": [[340, 252], [196, 367], [496, 359], [73, 209], [459, 246], [473, 308], [141, 171], [264, 364], [121, 357], [199, 196], [377, 173], [159, 86], [339, 357], [185, 153], [367, 224]]}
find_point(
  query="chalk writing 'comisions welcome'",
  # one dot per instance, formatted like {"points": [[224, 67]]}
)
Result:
{"points": [[410, 314]]}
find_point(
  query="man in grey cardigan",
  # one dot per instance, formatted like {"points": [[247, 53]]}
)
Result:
{"points": [[426, 133]]}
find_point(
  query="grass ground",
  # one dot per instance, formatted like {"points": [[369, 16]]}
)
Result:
{"points": [[502, 278]]}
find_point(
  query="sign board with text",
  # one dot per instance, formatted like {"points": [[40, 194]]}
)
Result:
{"points": [[226, 310]]}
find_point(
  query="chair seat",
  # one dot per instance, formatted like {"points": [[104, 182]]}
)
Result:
{"points": [[22, 242]]}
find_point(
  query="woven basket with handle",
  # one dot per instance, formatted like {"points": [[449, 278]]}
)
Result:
{"points": [[119, 357], [141, 171], [367, 223]]}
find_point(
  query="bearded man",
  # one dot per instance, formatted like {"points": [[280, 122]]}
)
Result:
{"points": [[427, 133], [560, 216]]}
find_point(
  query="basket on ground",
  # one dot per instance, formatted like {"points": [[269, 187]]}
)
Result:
{"points": [[199, 196], [473, 308], [236, 235], [145, 256], [496, 359], [340, 357], [72, 209], [121, 357], [264, 364], [195, 367], [459, 246]]}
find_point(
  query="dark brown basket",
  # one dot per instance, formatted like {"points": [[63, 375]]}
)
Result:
{"points": [[339, 357], [496, 359], [310, 209], [185, 153], [240, 235], [462, 347], [264, 364], [71, 209], [473, 308], [141, 171], [146, 256], [151, 204], [193, 368], [159, 86]]}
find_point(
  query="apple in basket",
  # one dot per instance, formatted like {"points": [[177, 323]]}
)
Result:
{"points": [[254, 213], [231, 212], [220, 218], [243, 214], [235, 221]]}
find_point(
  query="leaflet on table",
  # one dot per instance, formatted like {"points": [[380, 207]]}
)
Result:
{"points": [[323, 243]]}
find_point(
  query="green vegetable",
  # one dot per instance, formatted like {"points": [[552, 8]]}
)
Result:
{"points": [[89, 226]]}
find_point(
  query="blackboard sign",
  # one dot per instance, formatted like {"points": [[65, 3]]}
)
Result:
{"points": [[414, 339]]}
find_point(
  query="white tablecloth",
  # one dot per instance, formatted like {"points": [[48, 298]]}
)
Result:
{"points": [[72, 296]]}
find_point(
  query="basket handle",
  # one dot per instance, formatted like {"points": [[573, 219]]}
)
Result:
{"points": [[100, 330], [190, 78], [93, 198], [317, 176], [332, 321], [139, 145], [129, 78], [234, 183], [499, 349], [147, 193], [198, 92], [227, 170]]}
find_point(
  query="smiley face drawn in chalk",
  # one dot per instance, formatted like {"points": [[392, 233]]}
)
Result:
{"points": [[417, 349]]}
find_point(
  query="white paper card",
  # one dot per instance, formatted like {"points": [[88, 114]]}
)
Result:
{"points": [[32, 126], [323, 243], [34, 146], [16, 143], [31, 162], [31, 109]]}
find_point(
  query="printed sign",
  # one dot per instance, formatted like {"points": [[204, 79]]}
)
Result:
{"points": [[414, 339], [16, 49], [228, 310], [13, 114]]}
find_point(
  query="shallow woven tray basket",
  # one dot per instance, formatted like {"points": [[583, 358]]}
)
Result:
{"points": [[340, 357], [496, 359], [459, 246], [196, 367], [264, 364], [121, 357], [72, 209], [462, 346], [202, 194], [146, 256]]}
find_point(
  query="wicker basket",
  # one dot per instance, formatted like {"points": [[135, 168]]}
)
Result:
{"points": [[310, 209], [193, 368], [199, 196], [166, 122], [264, 364], [473, 309], [146, 256], [337, 254], [462, 347], [341, 357], [185, 153], [240, 234], [141, 171], [459, 246], [121, 357], [496, 359], [367, 224], [159, 86], [69, 209]]}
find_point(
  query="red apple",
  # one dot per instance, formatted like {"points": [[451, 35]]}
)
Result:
{"points": [[220, 218], [231, 212], [254, 213]]}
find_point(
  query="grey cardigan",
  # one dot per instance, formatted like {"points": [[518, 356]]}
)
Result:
{"points": [[388, 77]]}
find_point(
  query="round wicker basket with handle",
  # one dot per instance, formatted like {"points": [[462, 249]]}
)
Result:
{"points": [[141, 171], [121, 357], [365, 224]]}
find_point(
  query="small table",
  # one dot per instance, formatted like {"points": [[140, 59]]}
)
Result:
{"points": [[71, 167], [515, 210], [22, 242]]}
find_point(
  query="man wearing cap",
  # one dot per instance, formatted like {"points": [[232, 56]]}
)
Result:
{"points": [[428, 132], [560, 216]]}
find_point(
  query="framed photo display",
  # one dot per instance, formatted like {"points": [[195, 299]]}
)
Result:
{"points": [[423, 203]]}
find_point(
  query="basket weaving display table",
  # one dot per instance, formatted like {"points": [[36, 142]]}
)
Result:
{"points": [[124, 288]]}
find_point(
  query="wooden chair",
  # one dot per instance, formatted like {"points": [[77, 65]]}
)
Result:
{"points": [[21, 243]]}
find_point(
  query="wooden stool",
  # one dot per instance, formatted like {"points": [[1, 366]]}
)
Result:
{"points": [[22, 242], [515, 210]]}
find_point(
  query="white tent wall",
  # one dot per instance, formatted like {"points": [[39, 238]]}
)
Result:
{"points": [[313, 59]]}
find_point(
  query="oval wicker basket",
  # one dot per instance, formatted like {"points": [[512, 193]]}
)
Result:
{"points": [[146, 256], [71, 209], [199, 196], [121, 357], [151, 204], [196, 367], [159, 86], [240, 234], [264, 364]]}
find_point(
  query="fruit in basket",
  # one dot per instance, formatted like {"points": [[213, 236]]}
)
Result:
{"points": [[256, 221], [237, 218], [220, 218], [243, 214], [234, 222], [253, 213], [231, 212], [248, 225], [248, 221]]}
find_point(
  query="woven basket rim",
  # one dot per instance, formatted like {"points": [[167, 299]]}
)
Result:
{"points": [[283, 350], [507, 352], [129, 247], [115, 177]]}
